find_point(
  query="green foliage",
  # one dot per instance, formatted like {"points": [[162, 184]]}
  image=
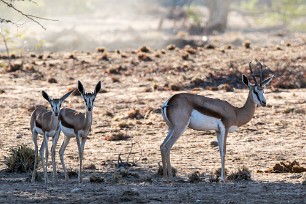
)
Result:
{"points": [[194, 15], [21, 159], [289, 13]]}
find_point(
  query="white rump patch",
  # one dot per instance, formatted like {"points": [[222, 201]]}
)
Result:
{"points": [[199, 121]]}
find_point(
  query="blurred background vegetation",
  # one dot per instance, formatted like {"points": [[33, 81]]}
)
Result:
{"points": [[83, 24]]}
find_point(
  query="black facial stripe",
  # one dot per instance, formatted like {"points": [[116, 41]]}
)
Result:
{"points": [[255, 92]]}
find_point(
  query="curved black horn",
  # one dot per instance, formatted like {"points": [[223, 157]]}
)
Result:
{"points": [[250, 66], [260, 73]]}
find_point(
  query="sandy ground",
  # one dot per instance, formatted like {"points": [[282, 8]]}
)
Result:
{"points": [[275, 134]]}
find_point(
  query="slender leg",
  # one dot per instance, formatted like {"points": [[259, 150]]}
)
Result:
{"points": [[78, 138], [170, 132], [54, 143], [167, 145], [47, 157], [62, 152], [221, 136], [34, 138], [42, 155]]}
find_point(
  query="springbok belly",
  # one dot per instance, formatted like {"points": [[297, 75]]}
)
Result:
{"points": [[67, 131], [199, 121]]}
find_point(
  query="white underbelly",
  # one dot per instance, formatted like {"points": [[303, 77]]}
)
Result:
{"points": [[67, 131], [199, 121], [38, 130], [232, 128]]}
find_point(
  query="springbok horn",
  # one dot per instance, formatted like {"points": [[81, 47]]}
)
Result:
{"points": [[250, 66]]}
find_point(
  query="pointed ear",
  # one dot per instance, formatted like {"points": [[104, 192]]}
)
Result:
{"points": [[81, 88], [245, 80], [267, 81], [66, 95], [98, 87], [46, 96]]}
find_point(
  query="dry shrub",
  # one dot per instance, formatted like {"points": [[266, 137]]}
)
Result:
{"points": [[185, 56], [90, 167], [123, 125], [144, 57], [195, 177], [104, 56], [52, 80], [117, 137], [171, 47], [21, 159], [72, 173], [217, 172], [135, 114], [247, 44], [242, 173], [100, 49], [175, 87], [160, 170], [226, 87], [190, 50], [144, 49], [96, 179], [287, 167]]}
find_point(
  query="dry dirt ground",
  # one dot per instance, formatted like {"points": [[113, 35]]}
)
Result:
{"points": [[136, 80]]}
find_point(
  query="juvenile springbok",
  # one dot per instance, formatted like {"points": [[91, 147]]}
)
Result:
{"points": [[45, 122], [202, 113], [76, 124]]}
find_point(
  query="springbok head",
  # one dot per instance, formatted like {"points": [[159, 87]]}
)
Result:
{"points": [[55, 103], [257, 90], [89, 98]]}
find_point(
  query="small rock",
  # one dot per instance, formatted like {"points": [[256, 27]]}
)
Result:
{"points": [[52, 80], [19, 135], [214, 143], [75, 190]]}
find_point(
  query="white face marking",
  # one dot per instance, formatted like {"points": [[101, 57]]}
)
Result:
{"points": [[56, 106], [89, 101], [198, 121], [258, 96]]}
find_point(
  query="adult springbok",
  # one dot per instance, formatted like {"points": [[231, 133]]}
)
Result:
{"points": [[78, 125], [45, 122], [202, 113]]}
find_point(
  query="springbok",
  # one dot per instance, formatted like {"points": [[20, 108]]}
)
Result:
{"points": [[202, 113], [45, 122], [76, 124]]}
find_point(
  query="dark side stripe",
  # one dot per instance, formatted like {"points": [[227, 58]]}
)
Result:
{"points": [[65, 123]]}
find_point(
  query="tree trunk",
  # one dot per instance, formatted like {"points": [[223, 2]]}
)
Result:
{"points": [[218, 11]]}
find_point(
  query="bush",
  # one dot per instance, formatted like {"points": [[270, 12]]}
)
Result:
{"points": [[21, 159]]}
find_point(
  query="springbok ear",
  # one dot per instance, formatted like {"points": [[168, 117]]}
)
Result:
{"points": [[267, 81], [66, 95], [81, 88], [245, 80], [98, 87], [46, 96]]}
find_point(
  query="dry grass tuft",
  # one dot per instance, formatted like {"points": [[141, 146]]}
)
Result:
{"points": [[144, 49], [144, 57], [117, 137], [96, 179], [161, 173], [21, 159], [171, 47], [135, 114], [195, 177], [242, 173]]}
